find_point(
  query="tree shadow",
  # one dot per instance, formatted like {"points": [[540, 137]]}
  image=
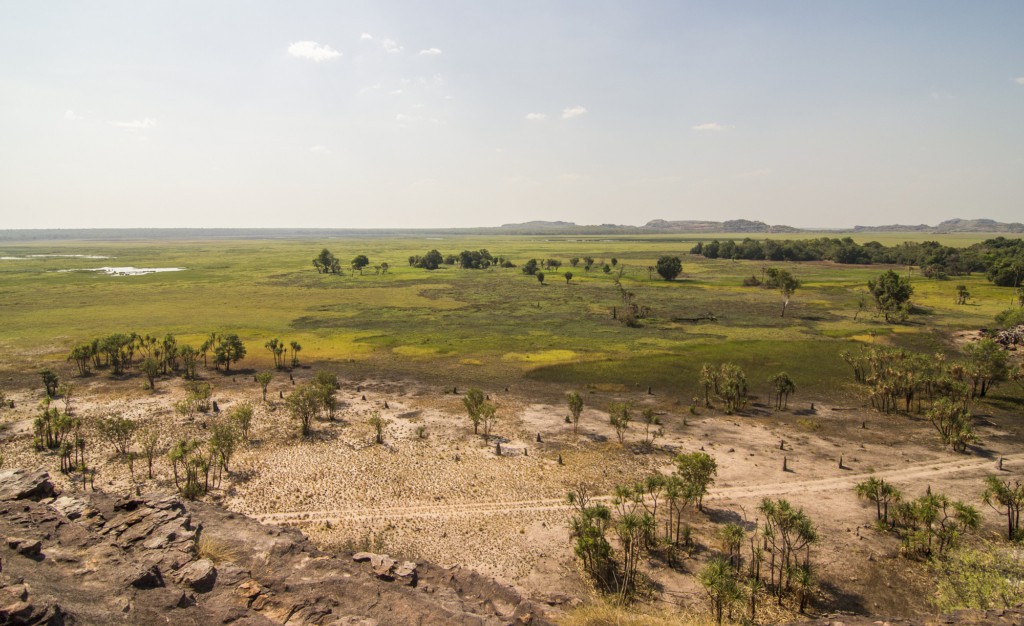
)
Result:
{"points": [[724, 516], [832, 598]]}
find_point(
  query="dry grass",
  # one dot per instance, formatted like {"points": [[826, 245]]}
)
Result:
{"points": [[603, 614], [217, 551]]}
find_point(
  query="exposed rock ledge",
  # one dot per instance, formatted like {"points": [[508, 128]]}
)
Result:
{"points": [[94, 558]]}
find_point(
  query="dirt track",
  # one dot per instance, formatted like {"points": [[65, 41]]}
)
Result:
{"points": [[916, 471]]}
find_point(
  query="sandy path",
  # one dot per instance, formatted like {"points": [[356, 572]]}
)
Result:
{"points": [[937, 467]]}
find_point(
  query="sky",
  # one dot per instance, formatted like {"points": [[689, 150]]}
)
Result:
{"points": [[391, 114]]}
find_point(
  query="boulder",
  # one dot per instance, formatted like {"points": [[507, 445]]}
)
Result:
{"points": [[72, 508], [19, 484], [145, 578], [382, 565], [199, 575], [31, 548]]}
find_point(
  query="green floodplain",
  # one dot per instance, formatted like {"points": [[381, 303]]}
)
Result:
{"points": [[493, 327]]}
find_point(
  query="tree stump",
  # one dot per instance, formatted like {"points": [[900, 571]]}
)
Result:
{"points": [[538, 438], [785, 465], [560, 460], [497, 448], [841, 462]]}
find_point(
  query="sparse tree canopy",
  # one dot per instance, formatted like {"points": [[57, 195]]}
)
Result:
{"points": [[575, 401], [473, 400], [304, 406], [619, 417]]}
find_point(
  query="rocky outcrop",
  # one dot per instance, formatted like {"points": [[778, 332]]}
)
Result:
{"points": [[19, 484], [94, 558]]}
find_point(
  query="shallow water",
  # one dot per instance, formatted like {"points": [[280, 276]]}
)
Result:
{"points": [[126, 271]]}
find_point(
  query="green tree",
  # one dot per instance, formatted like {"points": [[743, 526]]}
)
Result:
{"points": [[473, 400], [783, 386], [327, 263], [962, 295], [719, 581], [189, 360], [540, 277], [118, 431], [651, 420], [881, 493], [732, 387], [230, 349], [1006, 498], [530, 267], [378, 424], [50, 381], [488, 418], [296, 348], [697, 471], [151, 368], [222, 444], [784, 282], [669, 267], [568, 277], [242, 416], [359, 262], [954, 423], [575, 401], [891, 294], [304, 406], [276, 348], [82, 356], [986, 365], [149, 439], [619, 417], [264, 378]]}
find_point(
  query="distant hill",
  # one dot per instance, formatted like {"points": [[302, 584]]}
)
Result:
{"points": [[728, 226], [956, 225]]}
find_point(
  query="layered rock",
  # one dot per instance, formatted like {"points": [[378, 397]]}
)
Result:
{"points": [[95, 558]]}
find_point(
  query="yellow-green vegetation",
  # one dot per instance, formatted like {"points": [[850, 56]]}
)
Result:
{"points": [[489, 326], [984, 577]]}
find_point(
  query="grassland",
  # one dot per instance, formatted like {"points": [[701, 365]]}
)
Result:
{"points": [[462, 327], [401, 340]]}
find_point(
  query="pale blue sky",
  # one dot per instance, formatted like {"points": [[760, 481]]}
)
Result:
{"points": [[459, 113]]}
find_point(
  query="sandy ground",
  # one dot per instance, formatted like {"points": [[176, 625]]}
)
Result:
{"points": [[449, 498]]}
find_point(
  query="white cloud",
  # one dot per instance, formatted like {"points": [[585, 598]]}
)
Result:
{"points": [[572, 112], [1019, 80], [313, 51], [135, 124], [71, 116], [430, 52], [402, 118], [392, 46], [536, 117], [366, 37], [711, 126], [320, 150]]}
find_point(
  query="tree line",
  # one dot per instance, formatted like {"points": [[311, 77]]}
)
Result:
{"points": [[1001, 259]]}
